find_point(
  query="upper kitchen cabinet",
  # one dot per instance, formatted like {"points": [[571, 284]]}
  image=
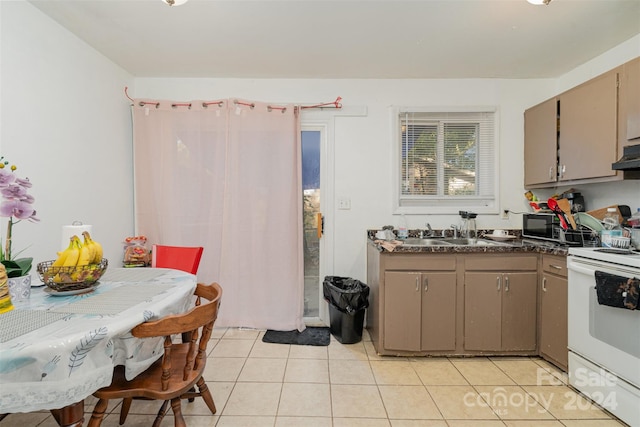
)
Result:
{"points": [[629, 124], [588, 139], [541, 143], [574, 137]]}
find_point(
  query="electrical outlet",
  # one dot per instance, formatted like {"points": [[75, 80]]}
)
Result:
{"points": [[344, 203], [505, 214]]}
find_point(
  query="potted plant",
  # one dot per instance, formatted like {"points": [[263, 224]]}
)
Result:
{"points": [[16, 205]]}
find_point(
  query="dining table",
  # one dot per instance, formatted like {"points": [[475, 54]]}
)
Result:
{"points": [[58, 347]]}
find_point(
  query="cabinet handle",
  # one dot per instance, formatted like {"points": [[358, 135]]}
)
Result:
{"points": [[544, 284], [563, 169], [506, 284], [557, 267], [417, 283], [426, 284], [499, 280], [551, 172]]}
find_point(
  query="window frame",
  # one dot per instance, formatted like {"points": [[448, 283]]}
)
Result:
{"points": [[421, 205]]}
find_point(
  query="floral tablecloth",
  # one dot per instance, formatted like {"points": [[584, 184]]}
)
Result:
{"points": [[65, 347]]}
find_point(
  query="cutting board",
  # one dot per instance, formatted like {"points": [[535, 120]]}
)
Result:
{"points": [[600, 213]]}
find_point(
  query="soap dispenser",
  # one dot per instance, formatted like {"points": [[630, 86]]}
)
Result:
{"points": [[403, 229]]}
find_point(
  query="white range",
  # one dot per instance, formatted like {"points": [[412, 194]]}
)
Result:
{"points": [[604, 341]]}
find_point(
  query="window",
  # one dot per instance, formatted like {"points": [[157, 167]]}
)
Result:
{"points": [[445, 161]]}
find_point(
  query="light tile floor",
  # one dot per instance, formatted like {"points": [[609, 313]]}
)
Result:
{"points": [[257, 384]]}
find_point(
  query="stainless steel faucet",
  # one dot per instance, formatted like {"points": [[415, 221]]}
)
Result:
{"points": [[427, 234], [455, 229]]}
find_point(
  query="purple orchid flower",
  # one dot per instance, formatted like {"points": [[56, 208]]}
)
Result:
{"points": [[6, 177], [13, 192], [16, 208], [24, 182], [17, 205]]}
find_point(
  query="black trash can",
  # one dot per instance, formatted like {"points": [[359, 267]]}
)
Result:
{"points": [[348, 298]]}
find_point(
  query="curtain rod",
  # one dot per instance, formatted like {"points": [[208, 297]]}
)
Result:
{"points": [[335, 104]]}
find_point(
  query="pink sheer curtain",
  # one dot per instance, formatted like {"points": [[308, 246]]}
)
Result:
{"points": [[227, 177]]}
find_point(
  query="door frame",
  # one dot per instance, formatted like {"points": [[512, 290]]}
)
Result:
{"points": [[324, 119]]}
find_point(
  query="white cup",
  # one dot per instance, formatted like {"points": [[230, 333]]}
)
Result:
{"points": [[500, 233]]}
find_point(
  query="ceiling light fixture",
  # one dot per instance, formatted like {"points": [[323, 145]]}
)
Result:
{"points": [[539, 2], [175, 2]]}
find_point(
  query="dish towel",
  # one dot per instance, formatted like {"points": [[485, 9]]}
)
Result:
{"points": [[389, 245], [617, 291]]}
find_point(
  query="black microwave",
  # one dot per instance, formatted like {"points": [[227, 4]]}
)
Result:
{"points": [[546, 226]]}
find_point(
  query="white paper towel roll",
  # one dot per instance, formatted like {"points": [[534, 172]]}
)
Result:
{"points": [[74, 229]]}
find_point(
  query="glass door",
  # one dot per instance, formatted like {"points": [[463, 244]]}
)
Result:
{"points": [[312, 222]]}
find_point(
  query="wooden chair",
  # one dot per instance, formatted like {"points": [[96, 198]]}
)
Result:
{"points": [[174, 375], [183, 258]]}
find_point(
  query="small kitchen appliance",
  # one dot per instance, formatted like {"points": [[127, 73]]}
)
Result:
{"points": [[468, 226], [547, 226]]}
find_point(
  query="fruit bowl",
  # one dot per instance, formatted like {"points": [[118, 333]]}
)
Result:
{"points": [[71, 278]]}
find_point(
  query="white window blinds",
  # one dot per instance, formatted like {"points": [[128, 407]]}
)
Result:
{"points": [[446, 157]]}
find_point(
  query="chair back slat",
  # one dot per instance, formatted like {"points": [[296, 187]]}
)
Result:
{"points": [[166, 363], [191, 354]]}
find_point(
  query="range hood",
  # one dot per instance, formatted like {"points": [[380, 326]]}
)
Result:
{"points": [[629, 162]]}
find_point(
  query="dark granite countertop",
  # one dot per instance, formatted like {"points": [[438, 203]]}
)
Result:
{"points": [[517, 245]]}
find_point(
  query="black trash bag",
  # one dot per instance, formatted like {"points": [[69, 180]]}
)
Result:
{"points": [[346, 294]]}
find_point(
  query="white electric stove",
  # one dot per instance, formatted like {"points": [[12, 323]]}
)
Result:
{"points": [[614, 256], [604, 341]]}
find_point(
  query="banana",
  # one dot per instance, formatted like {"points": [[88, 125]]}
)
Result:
{"points": [[98, 254], [85, 256], [62, 256], [90, 244], [74, 253]]}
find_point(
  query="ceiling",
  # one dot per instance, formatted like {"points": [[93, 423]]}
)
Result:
{"points": [[348, 38]]}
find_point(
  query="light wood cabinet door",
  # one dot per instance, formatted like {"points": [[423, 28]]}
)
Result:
{"points": [[402, 310], [630, 101], [500, 311], [419, 311], [553, 336], [519, 303], [540, 143], [588, 129], [438, 311], [482, 311], [553, 311]]}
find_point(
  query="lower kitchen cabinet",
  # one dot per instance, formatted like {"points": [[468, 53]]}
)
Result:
{"points": [[420, 311], [553, 311], [500, 306], [463, 304]]}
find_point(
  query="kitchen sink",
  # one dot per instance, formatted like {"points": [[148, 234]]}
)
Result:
{"points": [[414, 241], [450, 242]]}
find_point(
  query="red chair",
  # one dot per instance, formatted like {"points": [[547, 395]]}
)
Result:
{"points": [[183, 258]]}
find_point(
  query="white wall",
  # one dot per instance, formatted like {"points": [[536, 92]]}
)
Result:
{"points": [[65, 121], [66, 124]]}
